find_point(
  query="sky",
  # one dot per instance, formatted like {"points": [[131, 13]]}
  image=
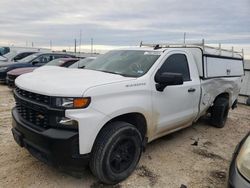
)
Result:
{"points": [[113, 23]]}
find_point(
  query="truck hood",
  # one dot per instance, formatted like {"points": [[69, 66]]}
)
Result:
{"points": [[59, 81]]}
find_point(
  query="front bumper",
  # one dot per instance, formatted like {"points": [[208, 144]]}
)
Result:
{"points": [[235, 179], [3, 77], [10, 82], [59, 148]]}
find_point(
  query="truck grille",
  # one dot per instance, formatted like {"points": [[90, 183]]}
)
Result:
{"points": [[34, 117], [34, 96], [36, 109]]}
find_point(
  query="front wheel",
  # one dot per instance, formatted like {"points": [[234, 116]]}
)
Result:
{"points": [[116, 152]]}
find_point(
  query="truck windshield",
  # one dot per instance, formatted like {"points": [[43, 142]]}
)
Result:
{"points": [[128, 63]]}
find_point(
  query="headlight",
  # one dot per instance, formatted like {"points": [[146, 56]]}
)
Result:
{"points": [[3, 68], [72, 102], [243, 159]]}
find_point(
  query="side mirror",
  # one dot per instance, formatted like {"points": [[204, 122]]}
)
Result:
{"points": [[167, 79]]}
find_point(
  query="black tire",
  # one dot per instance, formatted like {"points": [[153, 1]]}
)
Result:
{"points": [[219, 112], [116, 152], [248, 101]]}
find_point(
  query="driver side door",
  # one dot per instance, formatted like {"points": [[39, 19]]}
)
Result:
{"points": [[177, 105]]}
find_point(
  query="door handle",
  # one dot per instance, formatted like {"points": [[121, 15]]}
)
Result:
{"points": [[191, 90]]}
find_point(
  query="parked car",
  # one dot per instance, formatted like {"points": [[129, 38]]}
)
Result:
{"points": [[105, 114], [35, 60], [4, 50], [61, 62], [82, 63], [239, 172], [15, 56]]}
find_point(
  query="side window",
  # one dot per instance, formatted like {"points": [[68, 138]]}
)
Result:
{"points": [[44, 59], [52, 57], [21, 56], [177, 63]]}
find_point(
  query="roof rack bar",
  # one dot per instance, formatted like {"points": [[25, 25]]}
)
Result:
{"points": [[203, 44], [205, 47]]}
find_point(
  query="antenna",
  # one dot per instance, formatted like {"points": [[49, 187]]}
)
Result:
{"points": [[220, 48], [80, 41], [75, 45], [91, 46], [50, 44], [184, 38]]}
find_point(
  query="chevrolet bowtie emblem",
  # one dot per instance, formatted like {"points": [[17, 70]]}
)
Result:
{"points": [[40, 116]]}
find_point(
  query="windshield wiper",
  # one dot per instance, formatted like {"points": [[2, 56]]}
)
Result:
{"points": [[125, 75]]}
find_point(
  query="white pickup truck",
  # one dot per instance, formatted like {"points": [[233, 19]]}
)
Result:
{"points": [[105, 114]]}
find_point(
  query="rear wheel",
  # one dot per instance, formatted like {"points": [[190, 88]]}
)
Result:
{"points": [[116, 152], [248, 101], [219, 112]]}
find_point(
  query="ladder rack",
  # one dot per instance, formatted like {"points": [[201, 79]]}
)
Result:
{"points": [[206, 48]]}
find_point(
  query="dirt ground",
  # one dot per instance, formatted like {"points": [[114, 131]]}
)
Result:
{"points": [[197, 156]]}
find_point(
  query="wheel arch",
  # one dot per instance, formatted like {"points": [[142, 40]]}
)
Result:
{"points": [[223, 95], [135, 118]]}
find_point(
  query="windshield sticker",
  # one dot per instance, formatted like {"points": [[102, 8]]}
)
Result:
{"points": [[153, 53], [140, 71]]}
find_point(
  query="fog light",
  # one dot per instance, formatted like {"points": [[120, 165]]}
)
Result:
{"points": [[67, 122]]}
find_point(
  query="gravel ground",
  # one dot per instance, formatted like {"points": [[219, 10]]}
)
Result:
{"points": [[197, 156]]}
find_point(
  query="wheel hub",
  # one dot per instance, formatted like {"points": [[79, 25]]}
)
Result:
{"points": [[122, 155]]}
